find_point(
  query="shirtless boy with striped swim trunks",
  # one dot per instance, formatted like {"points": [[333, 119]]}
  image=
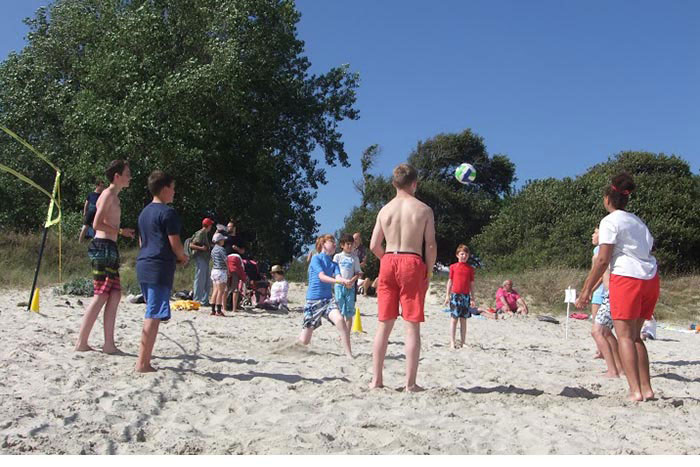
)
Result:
{"points": [[104, 257], [404, 274]]}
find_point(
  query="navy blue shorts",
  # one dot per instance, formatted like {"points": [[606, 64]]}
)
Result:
{"points": [[459, 305], [157, 298]]}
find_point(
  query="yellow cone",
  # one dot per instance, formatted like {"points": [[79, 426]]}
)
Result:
{"points": [[35, 301], [357, 322]]}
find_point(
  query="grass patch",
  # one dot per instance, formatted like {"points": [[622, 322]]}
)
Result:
{"points": [[543, 289]]}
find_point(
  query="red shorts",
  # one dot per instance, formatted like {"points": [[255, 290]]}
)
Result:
{"points": [[632, 298], [401, 280]]}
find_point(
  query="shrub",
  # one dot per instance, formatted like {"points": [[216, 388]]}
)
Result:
{"points": [[549, 222]]}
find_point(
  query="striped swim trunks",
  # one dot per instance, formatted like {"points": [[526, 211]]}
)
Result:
{"points": [[104, 257]]}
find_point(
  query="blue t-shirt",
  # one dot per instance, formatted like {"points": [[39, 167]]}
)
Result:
{"points": [[320, 290], [91, 208], [155, 263], [92, 199]]}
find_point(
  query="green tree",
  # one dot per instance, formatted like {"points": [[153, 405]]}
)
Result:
{"points": [[461, 211], [217, 92], [549, 222]]}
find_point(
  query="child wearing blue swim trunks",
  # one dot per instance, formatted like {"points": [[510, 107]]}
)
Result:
{"points": [[459, 287], [161, 248], [349, 265], [323, 273], [602, 331]]}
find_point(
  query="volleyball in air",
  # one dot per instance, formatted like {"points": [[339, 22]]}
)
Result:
{"points": [[465, 173]]}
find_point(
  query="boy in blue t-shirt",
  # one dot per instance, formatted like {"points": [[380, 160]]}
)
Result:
{"points": [[161, 248], [89, 211], [323, 273]]}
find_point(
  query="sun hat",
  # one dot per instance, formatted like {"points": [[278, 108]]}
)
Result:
{"points": [[278, 269], [218, 236], [206, 222]]}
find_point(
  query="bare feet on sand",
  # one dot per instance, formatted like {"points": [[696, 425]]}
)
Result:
{"points": [[146, 369], [112, 351], [374, 385], [607, 374], [83, 348], [635, 397]]}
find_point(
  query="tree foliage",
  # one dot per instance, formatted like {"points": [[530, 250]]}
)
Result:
{"points": [[461, 212], [217, 92], [549, 222]]}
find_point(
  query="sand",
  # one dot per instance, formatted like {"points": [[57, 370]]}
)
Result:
{"points": [[240, 385]]}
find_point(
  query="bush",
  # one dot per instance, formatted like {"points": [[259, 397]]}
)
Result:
{"points": [[81, 286], [549, 222], [297, 271]]}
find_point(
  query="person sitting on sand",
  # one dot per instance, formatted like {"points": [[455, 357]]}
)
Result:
{"points": [[476, 310], [323, 273], [508, 301], [278, 292], [625, 246]]}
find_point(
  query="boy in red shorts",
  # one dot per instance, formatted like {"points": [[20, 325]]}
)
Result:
{"points": [[407, 225], [459, 287]]}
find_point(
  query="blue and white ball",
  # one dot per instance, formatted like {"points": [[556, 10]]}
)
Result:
{"points": [[465, 173]]}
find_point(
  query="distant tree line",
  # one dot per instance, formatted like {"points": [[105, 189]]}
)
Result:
{"points": [[546, 222]]}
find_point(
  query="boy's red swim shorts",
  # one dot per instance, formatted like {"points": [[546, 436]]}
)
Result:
{"points": [[402, 280]]}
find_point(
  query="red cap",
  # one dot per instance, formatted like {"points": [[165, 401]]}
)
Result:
{"points": [[206, 222]]}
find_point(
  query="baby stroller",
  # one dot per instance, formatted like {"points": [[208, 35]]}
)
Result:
{"points": [[257, 288]]}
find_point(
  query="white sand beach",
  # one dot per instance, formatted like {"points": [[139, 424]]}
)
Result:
{"points": [[240, 385]]}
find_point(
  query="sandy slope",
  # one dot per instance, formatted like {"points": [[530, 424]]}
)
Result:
{"points": [[240, 385]]}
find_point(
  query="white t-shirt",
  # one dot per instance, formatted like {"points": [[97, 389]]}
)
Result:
{"points": [[349, 264], [279, 291], [632, 242]]}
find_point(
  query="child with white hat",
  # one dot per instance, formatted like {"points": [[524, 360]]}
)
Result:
{"points": [[219, 274]]}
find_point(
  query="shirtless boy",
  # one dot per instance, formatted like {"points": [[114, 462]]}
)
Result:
{"points": [[407, 225], [104, 256]]}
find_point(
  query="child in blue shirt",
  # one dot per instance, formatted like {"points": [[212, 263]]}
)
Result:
{"points": [[161, 248], [323, 273]]}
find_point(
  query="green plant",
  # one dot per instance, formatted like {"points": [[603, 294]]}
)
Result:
{"points": [[81, 286]]}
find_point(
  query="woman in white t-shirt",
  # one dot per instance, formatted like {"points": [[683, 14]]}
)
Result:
{"points": [[625, 244]]}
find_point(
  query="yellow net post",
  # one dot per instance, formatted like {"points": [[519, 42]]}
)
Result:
{"points": [[55, 197]]}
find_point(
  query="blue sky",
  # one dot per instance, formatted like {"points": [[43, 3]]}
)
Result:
{"points": [[557, 86]]}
